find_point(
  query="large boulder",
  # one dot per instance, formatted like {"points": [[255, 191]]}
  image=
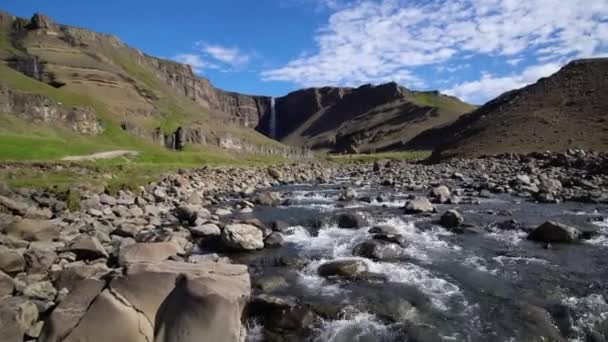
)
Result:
{"points": [[451, 219], [87, 248], [377, 250], [419, 205], [162, 302], [33, 230], [148, 252], [243, 237], [17, 315], [348, 268], [11, 260], [554, 232], [269, 199], [352, 220]]}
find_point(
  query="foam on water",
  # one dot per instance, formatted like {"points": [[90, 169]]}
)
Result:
{"points": [[357, 328], [511, 237], [601, 239], [479, 264], [507, 260], [591, 310]]}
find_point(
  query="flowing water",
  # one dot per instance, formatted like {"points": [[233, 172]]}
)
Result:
{"points": [[488, 284]]}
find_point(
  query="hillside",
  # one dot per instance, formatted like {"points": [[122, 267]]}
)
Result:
{"points": [[76, 91], [364, 119], [566, 110]]}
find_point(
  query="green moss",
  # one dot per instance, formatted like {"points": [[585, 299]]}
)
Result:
{"points": [[432, 99]]}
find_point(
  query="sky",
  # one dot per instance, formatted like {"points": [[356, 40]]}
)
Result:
{"points": [[473, 49]]}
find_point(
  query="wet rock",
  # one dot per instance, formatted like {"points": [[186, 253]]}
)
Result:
{"points": [[148, 252], [347, 195], [271, 284], [17, 315], [279, 226], [441, 194], [554, 232], [275, 239], [243, 237], [349, 268], [352, 220], [11, 261], [33, 230], [385, 230], [87, 248], [419, 205], [269, 199], [451, 219], [378, 250]]}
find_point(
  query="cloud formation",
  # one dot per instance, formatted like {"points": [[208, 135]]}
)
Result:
{"points": [[213, 56], [375, 41]]}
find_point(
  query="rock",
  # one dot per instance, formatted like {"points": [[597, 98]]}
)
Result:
{"points": [[451, 219], [419, 205], [275, 239], [189, 213], [128, 229], [7, 285], [269, 199], [352, 220], [206, 230], [33, 230], [87, 248], [17, 315], [347, 195], [148, 252], [554, 232], [243, 237], [274, 173], [348, 268], [39, 257], [107, 200], [441, 194], [223, 212], [377, 250], [72, 274], [16, 207], [279, 226], [271, 284], [385, 229], [161, 302], [11, 261], [42, 290]]}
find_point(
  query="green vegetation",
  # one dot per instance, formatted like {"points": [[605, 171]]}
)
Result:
{"points": [[370, 158], [432, 99]]}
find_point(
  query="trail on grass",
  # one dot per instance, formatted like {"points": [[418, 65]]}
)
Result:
{"points": [[102, 155]]}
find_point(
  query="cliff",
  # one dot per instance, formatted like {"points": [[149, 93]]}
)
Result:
{"points": [[568, 110], [365, 119]]}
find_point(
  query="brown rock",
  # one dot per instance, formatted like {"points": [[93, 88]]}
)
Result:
{"points": [[11, 260], [87, 248], [16, 316], [33, 230], [147, 252]]}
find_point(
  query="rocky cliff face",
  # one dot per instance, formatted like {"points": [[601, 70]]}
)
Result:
{"points": [[139, 90], [568, 110], [41, 110], [359, 119]]}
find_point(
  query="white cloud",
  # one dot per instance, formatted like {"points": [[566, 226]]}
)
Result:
{"points": [[368, 41], [232, 56], [490, 86], [196, 61]]}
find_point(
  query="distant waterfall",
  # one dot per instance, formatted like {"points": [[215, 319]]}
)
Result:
{"points": [[273, 120]]}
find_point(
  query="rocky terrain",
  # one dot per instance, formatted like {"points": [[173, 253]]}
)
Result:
{"points": [[365, 119], [566, 110], [227, 253]]}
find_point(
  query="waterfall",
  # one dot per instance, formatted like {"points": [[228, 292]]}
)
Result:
{"points": [[272, 132]]}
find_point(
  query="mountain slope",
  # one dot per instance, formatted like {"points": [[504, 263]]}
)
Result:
{"points": [[94, 90], [364, 119], [566, 110]]}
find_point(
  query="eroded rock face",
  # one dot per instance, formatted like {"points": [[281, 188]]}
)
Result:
{"points": [[166, 301]]}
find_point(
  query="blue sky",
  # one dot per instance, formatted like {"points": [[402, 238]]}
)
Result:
{"points": [[474, 49]]}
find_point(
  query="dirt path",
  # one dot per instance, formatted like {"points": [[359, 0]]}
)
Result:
{"points": [[102, 155]]}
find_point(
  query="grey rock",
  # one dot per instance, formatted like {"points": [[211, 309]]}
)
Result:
{"points": [[377, 250], [554, 232], [17, 315], [269, 199], [11, 260], [419, 205], [275, 239], [243, 237], [349, 268], [205, 230], [43, 290], [87, 248], [451, 219], [352, 220], [441, 194], [7, 285]]}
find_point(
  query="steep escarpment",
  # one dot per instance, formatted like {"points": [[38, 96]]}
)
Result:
{"points": [[364, 119], [152, 98], [567, 110]]}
